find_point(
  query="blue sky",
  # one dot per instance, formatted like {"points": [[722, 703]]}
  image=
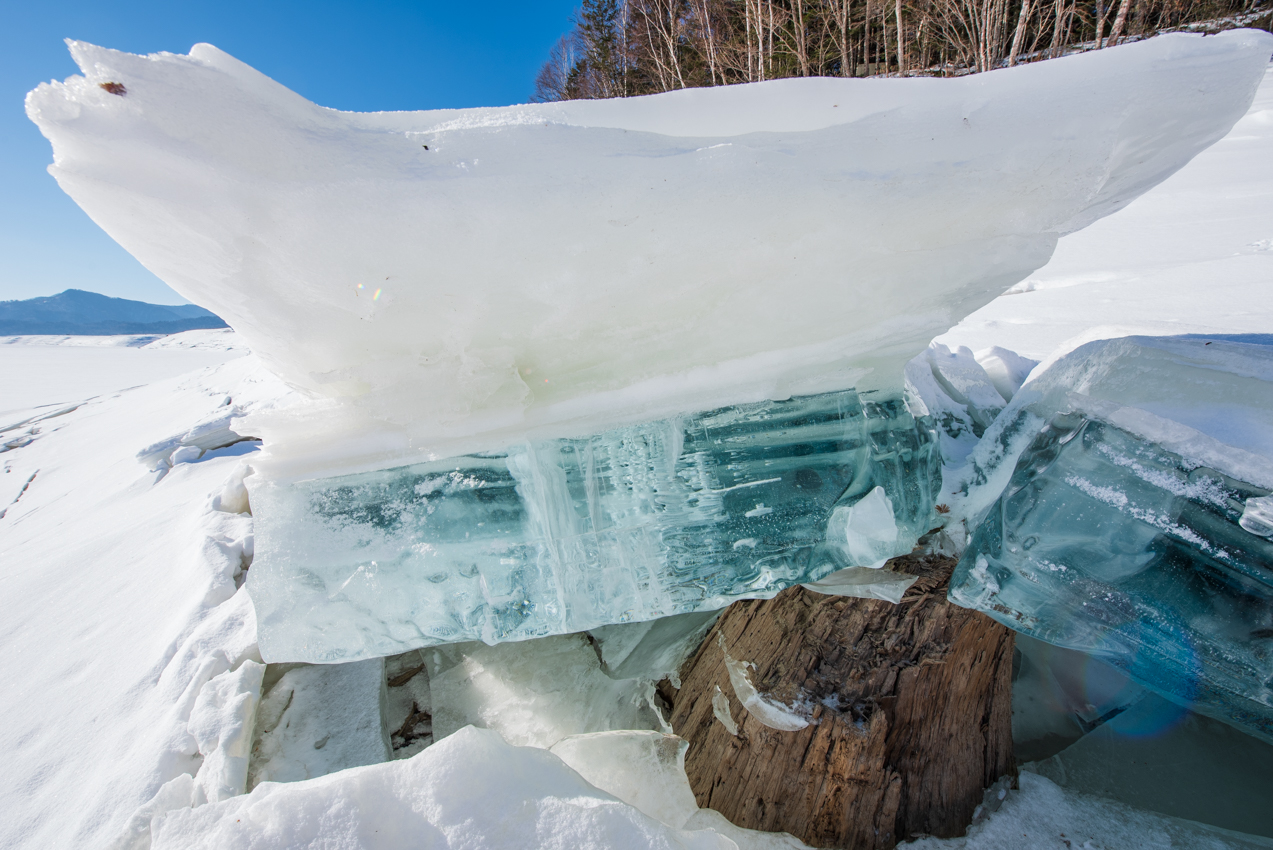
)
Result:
{"points": [[356, 56]]}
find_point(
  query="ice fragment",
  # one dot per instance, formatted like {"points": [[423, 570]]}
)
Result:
{"points": [[1257, 516]]}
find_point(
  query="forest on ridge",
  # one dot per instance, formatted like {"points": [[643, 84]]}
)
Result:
{"points": [[620, 48]]}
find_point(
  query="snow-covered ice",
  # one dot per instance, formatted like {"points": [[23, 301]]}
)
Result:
{"points": [[1192, 256], [456, 280], [1043, 815], [128, 644], [473, 789]]}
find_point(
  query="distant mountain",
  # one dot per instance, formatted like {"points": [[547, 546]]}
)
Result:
{"points": [[80, 313]]}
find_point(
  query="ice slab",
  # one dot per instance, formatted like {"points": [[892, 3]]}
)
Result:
{"points": [[1059, 695], [1126, 467], [643, 769], [959, 394], [646, 770], [316, 720], [534, 693], [651, 649], [561, 536], [455, 280], [864, 583]]}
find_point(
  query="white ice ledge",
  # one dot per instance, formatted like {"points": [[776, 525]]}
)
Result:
{"points": [[456, 280]]}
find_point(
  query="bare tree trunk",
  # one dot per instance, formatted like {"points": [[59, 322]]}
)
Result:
{"points": [[842, 24], [800, 37], [709, 40], [901, 54], [1071, 12], [760, 37], [1054, 49], [760, 40], [659, 21], [770, 52], [670, 40], [983, 24], [1119, 20], [625, 53], [866, 38], [884, 51], [751, 72], [1018, 37]]}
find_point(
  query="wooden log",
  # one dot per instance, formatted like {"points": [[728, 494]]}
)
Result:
{"points": [[910, 710]]}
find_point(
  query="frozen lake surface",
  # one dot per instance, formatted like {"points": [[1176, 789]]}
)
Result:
{"points": [[40, 371]]}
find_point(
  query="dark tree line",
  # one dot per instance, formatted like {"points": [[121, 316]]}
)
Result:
{"points": [[619, 48]]}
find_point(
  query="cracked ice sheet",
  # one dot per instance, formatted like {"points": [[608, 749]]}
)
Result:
{"points": [[119, 603], [1192, 255]]}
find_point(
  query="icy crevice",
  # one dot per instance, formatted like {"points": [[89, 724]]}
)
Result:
{"points": [[201, 440], [21, 493]]}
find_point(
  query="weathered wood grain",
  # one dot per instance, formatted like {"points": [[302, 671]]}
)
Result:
{"points": [[910, 709]]}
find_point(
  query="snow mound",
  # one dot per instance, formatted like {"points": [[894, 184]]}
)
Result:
{"points": [[470, 790], [454, 280]]}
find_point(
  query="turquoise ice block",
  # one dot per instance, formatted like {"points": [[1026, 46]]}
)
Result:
{"points": [[1108, 543], [559, 536]]}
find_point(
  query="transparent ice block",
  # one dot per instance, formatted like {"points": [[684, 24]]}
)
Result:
{"points": [[564, 535], [1106, 542]]}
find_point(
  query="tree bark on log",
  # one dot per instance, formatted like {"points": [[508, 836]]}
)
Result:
{"points": [[909, 709]]}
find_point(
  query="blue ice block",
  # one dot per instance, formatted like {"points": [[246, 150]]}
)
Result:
{"points": [[564, 535], [1134, 537]]}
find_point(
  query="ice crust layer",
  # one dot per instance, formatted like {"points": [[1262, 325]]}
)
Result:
{"points": [[1128, 469], [454, 281], [560, 536]]}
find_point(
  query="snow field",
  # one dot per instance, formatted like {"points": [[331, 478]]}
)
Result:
{"points": [[36, 372]]}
